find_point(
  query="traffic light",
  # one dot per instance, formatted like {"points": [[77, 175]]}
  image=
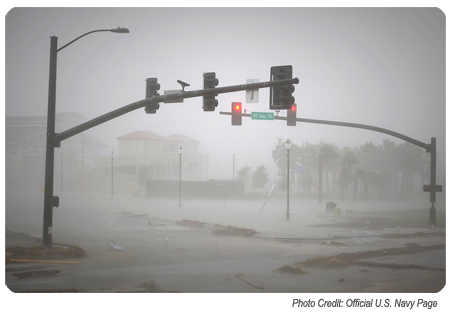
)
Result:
{"points": [[281, 96], [292, 115], [236, 113], [209, 82], [151, 91]]}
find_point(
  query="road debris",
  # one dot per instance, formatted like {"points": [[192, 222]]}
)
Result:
{"points": [[292, 270], [233, 231], [347, 259], [36, 273], [114, 246], [46, 252]]}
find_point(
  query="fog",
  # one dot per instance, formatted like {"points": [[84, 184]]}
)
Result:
{"points": [[383, 67], [380, 67]]}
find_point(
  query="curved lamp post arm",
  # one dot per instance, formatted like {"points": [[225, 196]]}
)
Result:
{"points": [[114, 30]]}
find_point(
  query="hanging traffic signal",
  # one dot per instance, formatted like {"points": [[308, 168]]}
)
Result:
{"points": [[281, 96], [236, 113], [292, 115], [210, 82], [151, 91]]}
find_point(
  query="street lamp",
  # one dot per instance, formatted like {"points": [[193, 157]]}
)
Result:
{"points": [[51, 201], [180, 151], [112, 174], [288, 147]]}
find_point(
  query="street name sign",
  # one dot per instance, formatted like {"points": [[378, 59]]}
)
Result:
{"points": [[262, 116]]}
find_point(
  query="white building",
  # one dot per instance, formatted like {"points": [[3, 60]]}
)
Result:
{"points": [[151, 156]]}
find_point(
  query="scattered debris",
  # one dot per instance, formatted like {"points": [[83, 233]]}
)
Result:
{"points": [[364, 270], [36, 273], [52, 252], [223, 230], [234, 231], [113, 246], [341, 280], [396, 266], [292, 270], [249, 281], [346, 259], [134, 215]]}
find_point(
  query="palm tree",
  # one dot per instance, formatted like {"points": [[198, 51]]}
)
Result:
{"points": [[411, 159], [348, 160], [388, 170], [327, 153], [308, 157]]}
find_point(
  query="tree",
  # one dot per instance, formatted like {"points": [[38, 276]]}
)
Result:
{"points": [[411, 160], [369, 178], [307, 157], [348, 160], [244, 174], [260, 177], [327, 153]]}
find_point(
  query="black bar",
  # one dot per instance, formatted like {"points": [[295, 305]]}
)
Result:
{"points": [[369, 303]]}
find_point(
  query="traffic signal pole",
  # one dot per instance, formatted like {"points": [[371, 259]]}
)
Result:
{"points": [[432, 188]]}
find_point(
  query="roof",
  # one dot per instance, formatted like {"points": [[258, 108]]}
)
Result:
{"points": [[180, 138], [141, 135]]}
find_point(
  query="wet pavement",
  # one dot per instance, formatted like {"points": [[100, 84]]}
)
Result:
{"points": [[133, 244]]}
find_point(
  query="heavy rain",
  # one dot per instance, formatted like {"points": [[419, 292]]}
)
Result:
{"points": [[343, 200]]}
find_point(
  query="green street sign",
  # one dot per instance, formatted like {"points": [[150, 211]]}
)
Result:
{"points": [[262, 116]]}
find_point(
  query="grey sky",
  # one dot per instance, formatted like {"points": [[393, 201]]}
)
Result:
{"points": [[377, 66]]}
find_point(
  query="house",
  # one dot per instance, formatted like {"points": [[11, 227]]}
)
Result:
{"points": [[151, 156]]}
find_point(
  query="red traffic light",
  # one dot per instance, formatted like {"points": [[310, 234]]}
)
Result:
{"points": [[294, 108], [236, 113]]}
